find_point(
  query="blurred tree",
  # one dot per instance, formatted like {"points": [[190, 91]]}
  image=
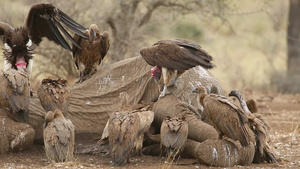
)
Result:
{"points": [[293, 38]]}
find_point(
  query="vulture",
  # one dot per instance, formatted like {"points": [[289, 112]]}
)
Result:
{"points": [[53, 94], [259, 127], [92, 52], [171, 58], [15, 92], [125, 130], [43, 20], [173, 133], [58, 137], [227, 118]]}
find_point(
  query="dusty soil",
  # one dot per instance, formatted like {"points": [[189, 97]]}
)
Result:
{"points": [[282, 112]]}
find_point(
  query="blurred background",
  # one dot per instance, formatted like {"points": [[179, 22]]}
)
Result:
{"points": [[248, 39]]}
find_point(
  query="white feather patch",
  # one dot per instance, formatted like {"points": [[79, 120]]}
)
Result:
{"points": [[7, 65], [29, 43], [7, 47]]}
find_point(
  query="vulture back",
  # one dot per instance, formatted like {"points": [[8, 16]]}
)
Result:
{"points": [[16, 93], [54, 94], [59, 137]]}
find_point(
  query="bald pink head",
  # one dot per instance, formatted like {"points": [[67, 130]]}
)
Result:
{"points": [[156, 73]]}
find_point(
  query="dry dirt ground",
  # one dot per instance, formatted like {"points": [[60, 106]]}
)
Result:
{"points": [[282, 112]]}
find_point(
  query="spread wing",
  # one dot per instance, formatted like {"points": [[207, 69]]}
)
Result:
{"points": [[4, 27], [227, 118], [54, 94], [45, 20], [176, 54]]}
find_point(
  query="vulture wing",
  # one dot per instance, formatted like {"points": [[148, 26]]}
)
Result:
{"points": [[227, 118], [54, 94], [45, 20], [15, 89], [176, 54], [4, 27]]}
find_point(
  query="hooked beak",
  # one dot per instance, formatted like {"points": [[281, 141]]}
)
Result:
{"points": [[195, 90]]}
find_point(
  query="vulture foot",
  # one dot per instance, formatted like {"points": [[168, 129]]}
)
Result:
{"points": [[164, 92]]}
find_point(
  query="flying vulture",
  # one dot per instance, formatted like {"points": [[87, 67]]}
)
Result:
{"points": [[227, 118], [259, 127], [43, 20], [58, 137], [54, 94], [92, 52], [173, 133], [14, 87], [172, 58]]}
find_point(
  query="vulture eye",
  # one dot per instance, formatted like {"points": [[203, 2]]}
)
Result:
{"points": [[29, 43], [7, 47]]}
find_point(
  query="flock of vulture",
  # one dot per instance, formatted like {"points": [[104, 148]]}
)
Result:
{"points": [[170, 58]]}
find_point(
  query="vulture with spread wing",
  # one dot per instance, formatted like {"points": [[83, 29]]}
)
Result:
{"points": [[59, 137], [15, 91], [92, 52], [43, 20], [227, 118], [172, 58], [259, 127], [54, 94], [173, 133]]}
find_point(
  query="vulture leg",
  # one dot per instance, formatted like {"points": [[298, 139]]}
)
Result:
{"points": [[164, 92]]}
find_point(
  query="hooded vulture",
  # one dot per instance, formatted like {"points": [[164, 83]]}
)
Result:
{"points": [[227, 118], [58, 137], [92, 52], [173, 133], [15, 93], [259, 127], [43, 20], [53, 94], [172, 58]]}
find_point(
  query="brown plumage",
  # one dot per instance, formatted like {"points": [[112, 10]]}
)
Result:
{"points": [[54, 94], [43, 20], [225, 116], [173, 133], [58, 137], [15, 92], [260, 128], [92, 52], [172, 57], [123, 131]]}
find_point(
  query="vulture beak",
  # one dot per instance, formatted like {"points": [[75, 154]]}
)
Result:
{"points": [[195, 90]]}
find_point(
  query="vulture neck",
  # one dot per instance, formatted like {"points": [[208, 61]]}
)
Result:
{"points": [[201, 98], [243, 105]]}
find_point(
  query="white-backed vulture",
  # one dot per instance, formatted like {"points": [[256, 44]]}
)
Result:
{"points": [[59, 137], [15, 93], [260, 128], [92, 52], [54, 94], [172, 58], [43, 20], [227, 118], [173, 133]]}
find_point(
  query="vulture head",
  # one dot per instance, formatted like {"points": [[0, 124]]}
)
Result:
{"points": [[156, 73], [200, 90], [235, 93], [18, 44], [94, 33], [48, 118]]}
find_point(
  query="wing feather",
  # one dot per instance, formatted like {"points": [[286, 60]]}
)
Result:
{"points": [[4, 28]]}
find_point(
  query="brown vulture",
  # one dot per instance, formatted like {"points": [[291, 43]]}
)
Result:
{"points": [[43, 20], [259, 127], [54, 94], [172, 58], [92, 52], [58, 137], [173, 133], [15, 94], [227, 118]]}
